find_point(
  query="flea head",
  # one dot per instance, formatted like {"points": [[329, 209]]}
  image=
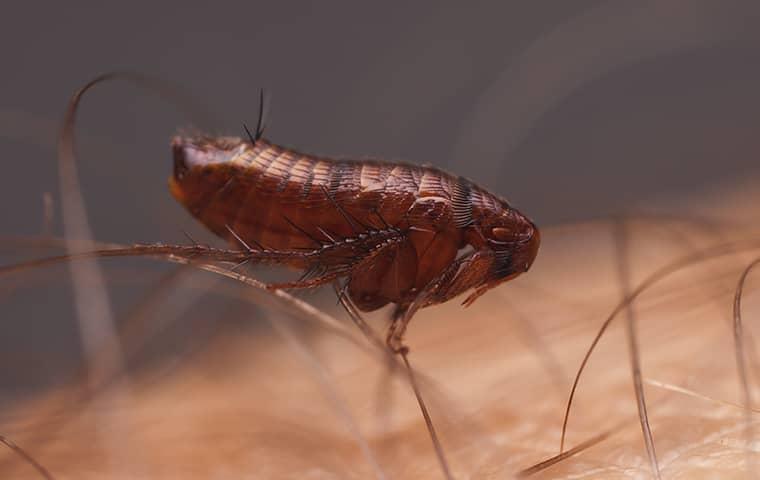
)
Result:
{"points": [[514, 239], [511, 239], [507, 246]]}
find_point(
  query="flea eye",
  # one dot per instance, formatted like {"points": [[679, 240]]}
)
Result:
{"points": [[501, 233]]}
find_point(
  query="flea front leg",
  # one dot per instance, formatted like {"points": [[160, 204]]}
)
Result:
{"points": [[466, 272]]}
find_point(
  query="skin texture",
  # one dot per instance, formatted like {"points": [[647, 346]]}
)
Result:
{"points": [[390, 231], [250, 401]]}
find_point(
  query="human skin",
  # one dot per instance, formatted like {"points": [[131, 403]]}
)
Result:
{"points": [[281, 402]]}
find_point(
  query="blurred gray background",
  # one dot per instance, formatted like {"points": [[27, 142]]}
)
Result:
{"points": [[569, 109]]}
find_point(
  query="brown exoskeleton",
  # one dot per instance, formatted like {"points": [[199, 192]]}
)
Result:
{"points": [[390, 232]]}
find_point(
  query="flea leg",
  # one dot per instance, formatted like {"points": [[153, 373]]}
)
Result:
{"points": [[395, 337], [340, 259], [309, 282], [353, 312], [462, 274]]}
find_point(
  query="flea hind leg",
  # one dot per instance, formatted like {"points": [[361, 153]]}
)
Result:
{"points": [[306, 281], [353, 313]]}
